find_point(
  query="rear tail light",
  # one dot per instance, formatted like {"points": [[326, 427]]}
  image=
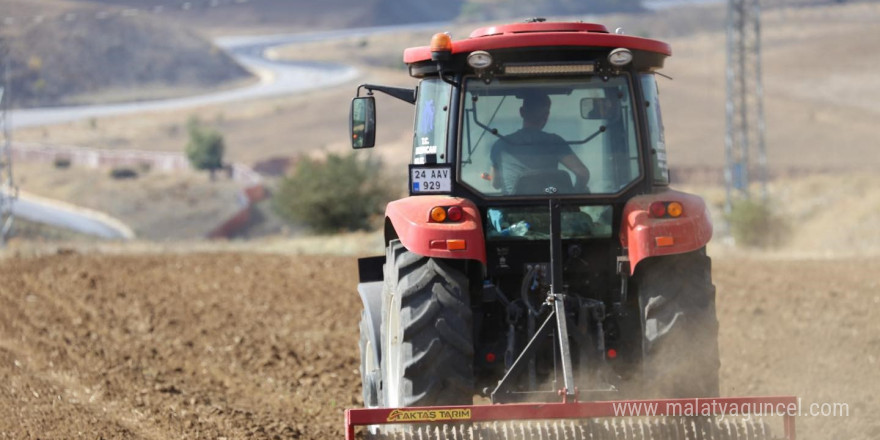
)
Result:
{"points": [[658, 209], [666, 209], [448, 245], [443, 214], [438, 214], [454, 213]]}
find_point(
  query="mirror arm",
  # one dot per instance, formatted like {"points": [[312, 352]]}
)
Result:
{"points": [[449, 81], [406, 95]]}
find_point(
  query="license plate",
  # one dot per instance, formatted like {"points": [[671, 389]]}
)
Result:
{"points": [[430, 180]]}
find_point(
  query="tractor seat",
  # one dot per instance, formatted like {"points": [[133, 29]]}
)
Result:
{"points": [[544, 182]]}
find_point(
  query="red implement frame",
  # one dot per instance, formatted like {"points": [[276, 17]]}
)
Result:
{"points": [[787, 406]]}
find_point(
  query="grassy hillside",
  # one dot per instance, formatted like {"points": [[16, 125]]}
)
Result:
{"points": [[90, 51], [222, 17], [92, 58]]}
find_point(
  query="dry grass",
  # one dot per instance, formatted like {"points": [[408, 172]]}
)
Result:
{"points": [[156, 206]]}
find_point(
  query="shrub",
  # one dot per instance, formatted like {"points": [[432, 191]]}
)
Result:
{"points": [[62, 162], [123, 173], [753, 223], [338, 193], [205, 147]]}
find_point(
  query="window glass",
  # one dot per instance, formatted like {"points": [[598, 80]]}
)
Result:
{"points": [[432, 107], [533, 222], [655, 128], [540, 137]]}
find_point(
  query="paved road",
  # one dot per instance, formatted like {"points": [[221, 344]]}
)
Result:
{"points": [[276, 77], [61, 215]]}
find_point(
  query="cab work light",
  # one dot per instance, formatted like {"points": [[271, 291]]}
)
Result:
{"points": [[620, 57], [479, 59], [549, 69]]}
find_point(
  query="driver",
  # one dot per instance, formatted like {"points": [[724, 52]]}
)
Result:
{"points": [[531, 149]]}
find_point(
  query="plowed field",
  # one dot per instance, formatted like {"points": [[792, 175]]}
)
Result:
{"points": [[243, 346]]}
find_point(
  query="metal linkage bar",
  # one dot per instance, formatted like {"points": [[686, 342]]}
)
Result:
{"points": [[557, 295], [786, 406], [502, 392]]}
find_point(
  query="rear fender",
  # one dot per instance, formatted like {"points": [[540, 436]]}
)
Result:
{"points": [[644, 235], [409, 220]]}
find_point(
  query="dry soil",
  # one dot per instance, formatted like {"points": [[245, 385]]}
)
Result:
{"points": [[238, 345]]}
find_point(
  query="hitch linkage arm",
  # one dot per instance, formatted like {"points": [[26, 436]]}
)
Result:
{"points": [[556, 298]]}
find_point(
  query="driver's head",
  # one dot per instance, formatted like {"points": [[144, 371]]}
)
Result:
{"points": [[535, 110]]}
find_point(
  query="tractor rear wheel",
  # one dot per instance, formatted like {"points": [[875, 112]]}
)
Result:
{"points": [[679, 326], [427, 339]]}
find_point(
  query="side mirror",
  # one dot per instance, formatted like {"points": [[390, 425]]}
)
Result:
{"points": [[594, 108], [362, 123]]}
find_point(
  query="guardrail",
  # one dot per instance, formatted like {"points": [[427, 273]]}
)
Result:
{"points": [[252, 192]]}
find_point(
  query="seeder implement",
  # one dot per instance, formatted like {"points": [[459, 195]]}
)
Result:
{"points": [[666, 419]]}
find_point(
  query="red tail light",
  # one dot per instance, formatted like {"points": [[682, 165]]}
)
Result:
{"points": [[443, 214], [658, 209], [454, 213], [666, 209]]}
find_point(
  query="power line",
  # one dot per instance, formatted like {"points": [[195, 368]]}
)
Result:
{"points": [[8, 190], [744, 107]]}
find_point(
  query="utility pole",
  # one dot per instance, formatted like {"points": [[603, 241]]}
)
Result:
{"points": [[745, 101], [8, 191]]}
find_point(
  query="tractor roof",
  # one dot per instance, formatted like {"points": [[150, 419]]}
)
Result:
{"points": [[542, 34]]}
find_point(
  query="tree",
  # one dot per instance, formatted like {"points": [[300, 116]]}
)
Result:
{"points": [[337, 193], [205, 147]]}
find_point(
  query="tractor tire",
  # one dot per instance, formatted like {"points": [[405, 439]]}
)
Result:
{"points": [[369, 367], [427, 337], [679, 326]]}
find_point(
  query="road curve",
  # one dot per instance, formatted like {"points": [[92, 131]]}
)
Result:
{"points": [[276, 77], [65, 215]]}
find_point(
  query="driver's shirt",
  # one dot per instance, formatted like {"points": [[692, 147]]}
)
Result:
{"points": [[528, 149]]}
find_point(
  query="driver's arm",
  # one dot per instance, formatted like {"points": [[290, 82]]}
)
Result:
{"points": [[497, 178], [494, 157], [581, 173]]}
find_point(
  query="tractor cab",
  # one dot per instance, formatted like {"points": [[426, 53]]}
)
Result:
{"points": [[595, 142]]}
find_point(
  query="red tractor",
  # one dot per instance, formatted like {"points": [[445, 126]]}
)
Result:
{"points": [[541, 255]]}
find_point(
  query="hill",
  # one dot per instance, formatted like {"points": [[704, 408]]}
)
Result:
{"points": [[224, 17], [82, 57]]}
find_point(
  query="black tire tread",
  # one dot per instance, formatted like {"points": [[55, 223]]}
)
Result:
{"points": [[676, 291], [436, 321]]}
